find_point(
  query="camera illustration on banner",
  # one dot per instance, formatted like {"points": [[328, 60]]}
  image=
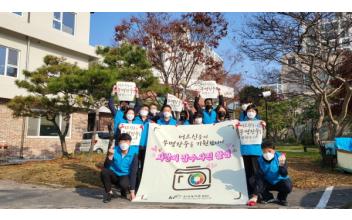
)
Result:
{"points": [[192, 178]]}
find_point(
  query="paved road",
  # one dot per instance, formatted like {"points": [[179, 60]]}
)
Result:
{"points": [[15, 195]]}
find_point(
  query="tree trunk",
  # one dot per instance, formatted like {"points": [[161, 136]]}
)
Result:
{"points": [[339, 130], [319, 123], [63, 146], [332, 131], [62, 135], [294, 133], [96, 121]]}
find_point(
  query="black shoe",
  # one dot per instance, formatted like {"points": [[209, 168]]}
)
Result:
{"points": [[283, 202], [268, 201], [107, 198]]}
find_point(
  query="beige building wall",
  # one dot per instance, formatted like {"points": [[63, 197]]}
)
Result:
{"points": [[34, 37], [37, 39]]}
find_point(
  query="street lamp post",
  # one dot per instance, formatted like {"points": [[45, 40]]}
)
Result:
{"points": [[265, 95]]}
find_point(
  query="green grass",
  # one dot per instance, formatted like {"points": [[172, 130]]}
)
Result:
{"points": [[298, 152]]}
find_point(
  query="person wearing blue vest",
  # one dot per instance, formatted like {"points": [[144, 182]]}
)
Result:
{"points": [[243, 113], [154, 114], [120, 168], [272, 175], [210, 115], [198, 118], [128, 118], [222, 113], [118, 114], [186, 115], [184, 118], [250, 153], [144, 120], [166, 118]]}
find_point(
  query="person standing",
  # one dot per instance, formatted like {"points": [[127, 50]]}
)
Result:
{"points": [[250, 153], [210, 115], [167, 118]]}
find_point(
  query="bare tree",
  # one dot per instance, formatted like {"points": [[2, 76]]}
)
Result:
{"points": [[311, 48], [177, 47]]}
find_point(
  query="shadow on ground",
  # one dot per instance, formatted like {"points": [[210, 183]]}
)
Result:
{"points": [[340, 198], [88, 181]]}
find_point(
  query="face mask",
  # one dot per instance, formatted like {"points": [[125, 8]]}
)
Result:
{"points": [[143, 112], [251, 115], [222, 114], [268, 156], [123, 108], [167, 114], [198, 121], [130, 117], [153, 111], [244, 107], [124, 146]]}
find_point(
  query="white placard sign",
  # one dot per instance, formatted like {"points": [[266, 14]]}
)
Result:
{"points": [[126, 91], [175, 103], [134, 130], [207, 89], [250, 132]]}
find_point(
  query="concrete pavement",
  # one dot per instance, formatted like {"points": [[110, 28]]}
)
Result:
{"points": [[16, 195]]}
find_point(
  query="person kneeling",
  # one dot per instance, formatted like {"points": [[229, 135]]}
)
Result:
{"points": [[120, 168], [271, 176]]}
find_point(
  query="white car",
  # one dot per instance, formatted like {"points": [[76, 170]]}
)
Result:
{"points": [[101, 142]]}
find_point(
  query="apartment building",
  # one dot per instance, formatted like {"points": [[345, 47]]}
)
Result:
{"points": [[25, 39], [336, 31]]}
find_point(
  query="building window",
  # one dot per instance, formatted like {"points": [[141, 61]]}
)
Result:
{"points": [[18, 13], [291, 61], [41, 127], [64, 21], [346, 42], [8, 61]]}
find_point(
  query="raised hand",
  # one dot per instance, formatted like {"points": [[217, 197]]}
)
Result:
{"points": [[114, 90]]}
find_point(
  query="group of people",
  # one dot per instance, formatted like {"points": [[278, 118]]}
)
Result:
{"points": [[265, 168]]}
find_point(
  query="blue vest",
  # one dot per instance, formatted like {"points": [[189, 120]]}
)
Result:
{"points": [[251, 149], [161, 121], [209, 117], [122, 166], [144, 136], [118, 118], [271, 169], [243, 115]]}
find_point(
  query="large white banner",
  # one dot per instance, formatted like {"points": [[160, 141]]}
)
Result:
{"points": [[134, 130], [193, 164], [126, 91], [250, 132], [175, 103]]}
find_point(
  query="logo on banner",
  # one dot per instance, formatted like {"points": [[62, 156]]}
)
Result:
{"points": [[192, 178]]}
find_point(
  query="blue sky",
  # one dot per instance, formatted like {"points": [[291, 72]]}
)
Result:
{"points": [[102, 33]]}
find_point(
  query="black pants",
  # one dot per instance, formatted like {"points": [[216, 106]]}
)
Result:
{"points": [[251, 167], [108, 178], [141, 157], [262, 188]]}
